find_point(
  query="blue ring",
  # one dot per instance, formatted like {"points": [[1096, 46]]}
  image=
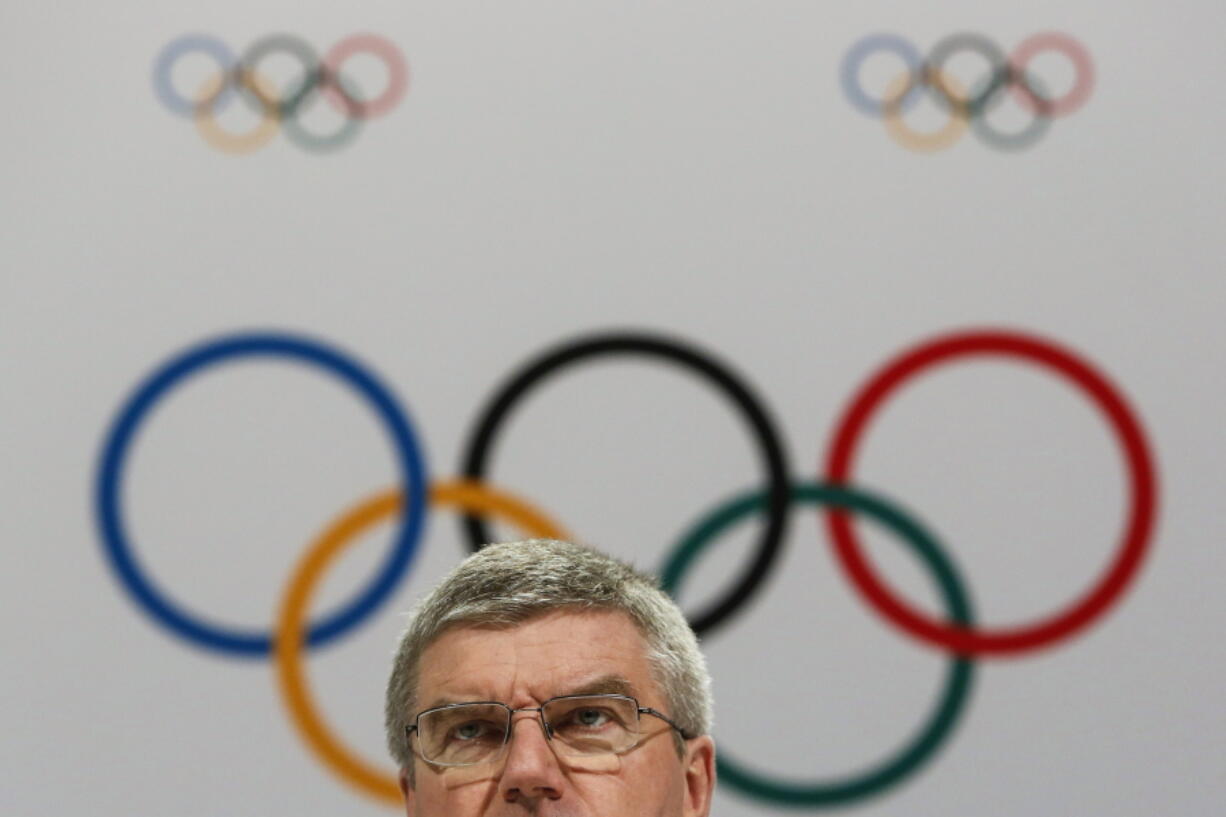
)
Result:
{"points": [[163, 85], [166, 612], [849, 71]]}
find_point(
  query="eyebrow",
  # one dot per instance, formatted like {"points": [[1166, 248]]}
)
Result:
{"points": [[604, 685]]}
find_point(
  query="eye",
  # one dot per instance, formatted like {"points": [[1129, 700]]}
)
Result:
{"points": [[590, 717], [472, 730]]}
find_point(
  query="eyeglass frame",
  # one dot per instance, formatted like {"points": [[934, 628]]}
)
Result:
{"points": [[546, 727]]}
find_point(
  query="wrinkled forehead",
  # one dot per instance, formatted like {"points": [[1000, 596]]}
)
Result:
{"points": [[560, 652]]}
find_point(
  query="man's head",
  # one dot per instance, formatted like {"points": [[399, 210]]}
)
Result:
{"points": [[522, 624]]}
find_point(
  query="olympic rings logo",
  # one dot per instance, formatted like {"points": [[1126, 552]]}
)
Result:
{"points": [[967, 106], [239, 77], [474, 494]]}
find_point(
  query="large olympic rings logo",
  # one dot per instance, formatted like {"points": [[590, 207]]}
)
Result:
{"points": [[967, 106], [474, 494], [239, 76]]}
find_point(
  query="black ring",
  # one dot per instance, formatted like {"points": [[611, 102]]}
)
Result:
{"points": [[998, 75], [297, 47], [674, 351]]}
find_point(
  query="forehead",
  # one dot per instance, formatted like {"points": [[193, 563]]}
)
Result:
{"points": [[558, 653]]}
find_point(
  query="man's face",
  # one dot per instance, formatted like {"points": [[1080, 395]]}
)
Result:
{"points": [[561, 653]]}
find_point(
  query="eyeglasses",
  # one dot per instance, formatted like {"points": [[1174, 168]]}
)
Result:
{"points": [[576, 725]]}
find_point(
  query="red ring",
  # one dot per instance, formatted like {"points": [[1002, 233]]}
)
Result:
{"points": [[397, 75], [1133, 546], [1069, 47]]}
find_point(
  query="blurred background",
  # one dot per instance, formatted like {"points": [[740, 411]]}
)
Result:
{"points": [[695, 172]]}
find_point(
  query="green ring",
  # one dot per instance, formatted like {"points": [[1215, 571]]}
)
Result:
{"points": [[324, 143], [958, 679]]}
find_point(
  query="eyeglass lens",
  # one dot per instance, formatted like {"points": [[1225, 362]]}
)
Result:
{"points": [[476, 733]]}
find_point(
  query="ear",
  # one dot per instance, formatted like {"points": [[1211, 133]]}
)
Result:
{"points": [[406, 788], [699, 770]]}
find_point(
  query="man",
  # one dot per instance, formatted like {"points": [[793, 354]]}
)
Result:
{"points": [[545, 678]]}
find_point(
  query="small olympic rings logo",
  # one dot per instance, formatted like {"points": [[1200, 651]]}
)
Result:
{"points": [[969, 106], [831, 487], [239, 76]]}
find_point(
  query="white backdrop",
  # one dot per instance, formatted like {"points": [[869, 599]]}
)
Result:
{"points": [[558, 169]]}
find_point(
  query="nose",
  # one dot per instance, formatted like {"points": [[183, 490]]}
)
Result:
{"points": [[531, 772]]}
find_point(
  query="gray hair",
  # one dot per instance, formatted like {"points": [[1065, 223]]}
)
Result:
{"points": [[507, 584]]}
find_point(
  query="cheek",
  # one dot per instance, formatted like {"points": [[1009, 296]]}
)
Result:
{"points": [[599, 764], [654, 781], [464, 777], [461, 792]]}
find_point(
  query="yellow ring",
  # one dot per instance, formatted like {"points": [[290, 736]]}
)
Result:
{"points": [[223, 139], [295, 689], [931, 141]]}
